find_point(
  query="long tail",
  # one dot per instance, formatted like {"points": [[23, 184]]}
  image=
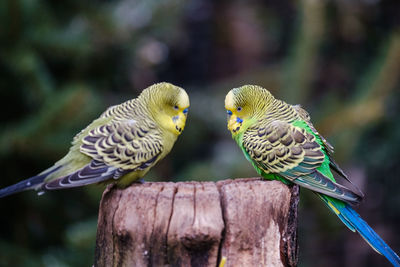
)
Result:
{"points": [[34, 182], [30, 183], [355, 223]]}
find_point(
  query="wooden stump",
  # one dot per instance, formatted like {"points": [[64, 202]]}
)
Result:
{"points": [[251, 222]]}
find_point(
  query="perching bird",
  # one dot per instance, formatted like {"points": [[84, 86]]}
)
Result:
{"points": [[282, 144], [121, 145]]}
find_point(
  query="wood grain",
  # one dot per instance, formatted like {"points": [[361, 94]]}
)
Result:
{"points": [[251, 222]]}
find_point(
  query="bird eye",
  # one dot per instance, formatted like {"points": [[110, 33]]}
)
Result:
{"points": [[229, 112], [176, 107], [185, 110], [239, 109]]}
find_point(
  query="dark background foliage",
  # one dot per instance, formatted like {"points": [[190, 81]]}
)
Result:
{"points": [[63, 62]]}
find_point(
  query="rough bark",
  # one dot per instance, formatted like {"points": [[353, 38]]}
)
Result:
{"points": [[251, 222]]}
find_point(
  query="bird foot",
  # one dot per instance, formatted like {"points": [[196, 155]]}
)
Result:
{"points": [[140, 181]]}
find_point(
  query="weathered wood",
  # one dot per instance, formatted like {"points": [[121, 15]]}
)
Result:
{"points": [[251, 222]]}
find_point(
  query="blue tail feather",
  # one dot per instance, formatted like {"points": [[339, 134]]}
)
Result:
{"points": [[354, 221], [372, 238], [27, 184], [30, 183]]}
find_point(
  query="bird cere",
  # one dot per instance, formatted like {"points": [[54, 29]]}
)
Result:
{"points": [[282, 144], [121, 145]]}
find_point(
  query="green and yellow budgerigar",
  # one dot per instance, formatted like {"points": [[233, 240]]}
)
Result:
{"points": [[282, 144], [121, 145]]}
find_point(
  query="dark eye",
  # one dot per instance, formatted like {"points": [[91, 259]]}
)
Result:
{"points": [[229, 112], [239, 109], [176, 107]]}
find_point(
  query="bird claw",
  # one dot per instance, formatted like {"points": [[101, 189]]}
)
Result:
{"points": [[140, 181]]}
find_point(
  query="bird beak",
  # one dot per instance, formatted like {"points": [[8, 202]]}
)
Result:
{"points": [[180, 121], [234, 123]]}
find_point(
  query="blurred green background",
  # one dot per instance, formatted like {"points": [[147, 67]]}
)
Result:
{"points": [[63, 62]]}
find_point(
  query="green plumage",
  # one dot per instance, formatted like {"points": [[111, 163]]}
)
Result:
{"points": [[282, 144], [121, 145]]}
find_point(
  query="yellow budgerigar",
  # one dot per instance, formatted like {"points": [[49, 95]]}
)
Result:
{"points": [[121, 145]]}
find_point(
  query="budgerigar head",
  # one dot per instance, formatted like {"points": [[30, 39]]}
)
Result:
{"points": [[245, 105], [169, 106]]}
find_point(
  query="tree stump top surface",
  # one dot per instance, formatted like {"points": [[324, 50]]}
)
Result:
{"points": [[251, 222]]}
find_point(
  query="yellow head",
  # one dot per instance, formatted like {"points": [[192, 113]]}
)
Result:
{"points": [[246, 104], [169, 106]]}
